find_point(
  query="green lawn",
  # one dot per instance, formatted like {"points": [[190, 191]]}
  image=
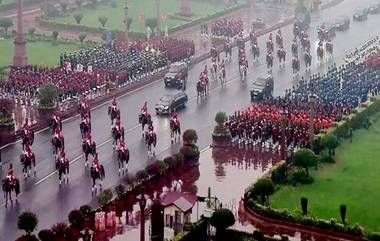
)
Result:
{"points": [[137, 8], [39, 52], [354, 180]]}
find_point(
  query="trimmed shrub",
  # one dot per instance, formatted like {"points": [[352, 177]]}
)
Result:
{"points": [[299, 175], [46, 235], [103, 20], [85, 210], [47, 94], [263, 188], [220, 118], [279, 172], [305, 158], [76, 219], [330, 141], [222, 219], [304, 203], [27, 221], [105, 196], [120, 190], [343, 211], [190, 137]]}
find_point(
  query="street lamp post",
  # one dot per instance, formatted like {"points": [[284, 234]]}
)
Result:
{"points": [[284, 115], [126, 23], [158, 17], [142, 203], [312, 101]]}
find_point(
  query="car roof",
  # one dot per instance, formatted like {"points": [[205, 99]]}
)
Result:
{"points": [[179, 94]]}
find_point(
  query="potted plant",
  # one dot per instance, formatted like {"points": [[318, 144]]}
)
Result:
{"points": [[119, 202], [221, 135], [27, 221], [47, 96]]}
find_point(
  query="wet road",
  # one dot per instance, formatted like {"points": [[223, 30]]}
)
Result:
{"points": [[41, 194]]}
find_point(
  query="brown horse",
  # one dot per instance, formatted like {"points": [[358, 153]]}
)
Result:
{"points": [[150, 142], [27, 137], [123, 159], [9, 186], [95, 175], [114, 113], [63, 167], [58, 144], [117, 135], [175, 130], [88, 149], [27, 163]]}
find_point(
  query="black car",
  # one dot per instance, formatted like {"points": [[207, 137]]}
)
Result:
{"points": [[374, 8], [262, 88], [342, 23], [326, 31], [170, 103], [360, 14], [177, 75]]}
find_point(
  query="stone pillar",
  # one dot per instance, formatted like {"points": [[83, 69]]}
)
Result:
{"points": [[185, 8], [126, 23], [20, 59], [158, 17]]}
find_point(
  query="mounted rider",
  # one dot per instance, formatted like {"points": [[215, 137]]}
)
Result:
{"points": [[144, 109], [122, 147], [114, 104], [27, 151], [270, 37], [174, 118], [118, 125], [10, 175], [96, 163], [56, 118], [89, 140], [58, 133], [62, 158]]}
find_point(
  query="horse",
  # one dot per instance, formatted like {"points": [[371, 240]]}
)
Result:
{"points": [[58, 144], [294, 48], [84, 110], [150, 142], [27, 162], [87, 150], [243, 70], [123, 159], [175, 130], [320, 53], [117, 135], [214, 69], [27, 137], [143, 120], [97, 174], [305, 43], [228, 50], [8, 186], [270, 46], [256, 52], [114, 113], [281, 54], [63, 170], [222, 76], [269, 60], [295, 66], [307, 59], [279, 40], [55, 123], [329, 49], [85, 128], [201, 88]]}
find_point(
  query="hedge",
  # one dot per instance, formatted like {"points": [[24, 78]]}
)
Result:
{"points": [[278, 172], [356, 120], [285, 215], [82, 28]]}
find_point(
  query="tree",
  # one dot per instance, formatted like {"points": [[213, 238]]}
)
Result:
{"points": [[51, 11], [220, 118], [27, 221], [81, 37], [79, 2], [151, 23], [103, 20], [263, 188], [76, 219], [31, 31], [190, 137], [6, 23], [85, 210], [63, 5], [304, 203], [343, 211], [222, 219], [46, 235], [54, 35], [120, 190], [305, 158], [78, 17], [105, 196], [46, 96], [330, 141], [129, 22]]}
